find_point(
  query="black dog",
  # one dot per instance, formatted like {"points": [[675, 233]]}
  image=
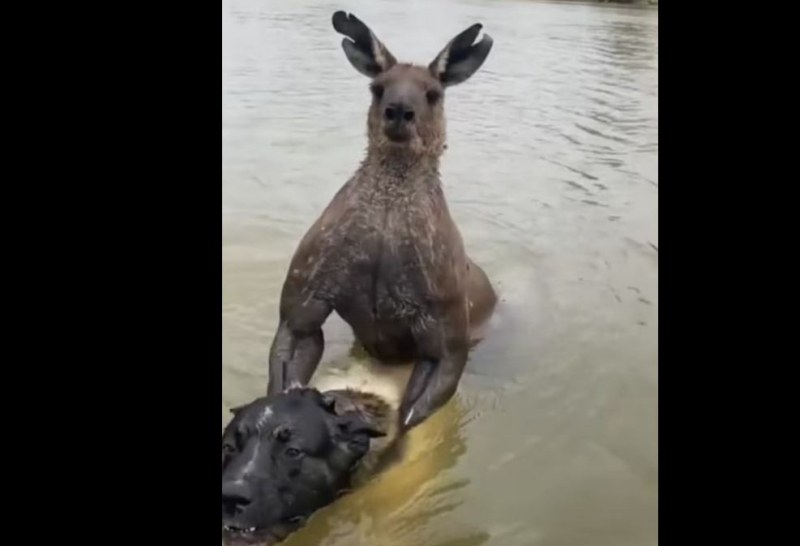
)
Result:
{"points": [[289, 454]]}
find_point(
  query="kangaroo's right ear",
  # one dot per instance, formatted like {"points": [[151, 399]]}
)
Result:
{"points": [[364, 51]]}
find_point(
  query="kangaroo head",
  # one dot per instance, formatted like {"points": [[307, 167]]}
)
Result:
{"points": [[407, 110]]}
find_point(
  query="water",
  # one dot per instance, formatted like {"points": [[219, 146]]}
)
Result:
{"points": [[551, 175]]}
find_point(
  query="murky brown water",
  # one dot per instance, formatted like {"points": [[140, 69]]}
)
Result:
{"points": [[552, 177]]}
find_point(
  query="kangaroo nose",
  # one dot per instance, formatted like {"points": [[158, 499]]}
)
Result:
{"points": [[399, 113], [235, 496]]}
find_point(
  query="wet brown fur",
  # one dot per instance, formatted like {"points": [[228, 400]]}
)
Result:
{"points": [[386, 255]]}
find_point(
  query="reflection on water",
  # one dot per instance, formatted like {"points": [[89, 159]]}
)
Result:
{"points": [[551, 174]]}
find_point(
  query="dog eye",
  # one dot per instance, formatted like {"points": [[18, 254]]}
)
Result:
{"points": [[239, 438], [293, 453], [227, 453]]}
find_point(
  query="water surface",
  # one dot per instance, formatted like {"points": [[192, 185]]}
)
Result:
{"points": [[551, 175]]}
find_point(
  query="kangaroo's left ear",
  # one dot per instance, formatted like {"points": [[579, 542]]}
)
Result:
{"points": [[461, 57]]}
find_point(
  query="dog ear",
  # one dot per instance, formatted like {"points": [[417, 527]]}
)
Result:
{"points": [[353, 438], [328, 403], [353, 424]]}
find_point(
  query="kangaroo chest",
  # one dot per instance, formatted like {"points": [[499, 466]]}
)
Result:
{"points": [[385, 256]]}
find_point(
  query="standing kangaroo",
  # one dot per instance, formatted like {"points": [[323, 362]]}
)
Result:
{"points": [[385, 253]]}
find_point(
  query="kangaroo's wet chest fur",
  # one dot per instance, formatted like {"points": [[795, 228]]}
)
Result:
{"points": [[386, 257]]}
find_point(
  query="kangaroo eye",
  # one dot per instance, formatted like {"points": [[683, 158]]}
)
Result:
{"points": [[433, 96], [293, 453], [377, 90]]}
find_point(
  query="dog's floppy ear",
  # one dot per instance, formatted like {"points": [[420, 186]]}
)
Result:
{"points": [[354, 434], [353, 424], [328, 403]]}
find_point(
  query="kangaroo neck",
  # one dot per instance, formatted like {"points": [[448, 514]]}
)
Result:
{"points": [[400, 166]]}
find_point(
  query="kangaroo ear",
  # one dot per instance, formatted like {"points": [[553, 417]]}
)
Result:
{"points": [[460, 59], [364, 51]]}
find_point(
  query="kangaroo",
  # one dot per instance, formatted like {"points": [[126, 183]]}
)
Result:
{"points": [[385, 254]]}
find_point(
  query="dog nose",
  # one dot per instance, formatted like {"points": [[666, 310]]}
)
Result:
{"points": [[236, 494], [399, 113]]}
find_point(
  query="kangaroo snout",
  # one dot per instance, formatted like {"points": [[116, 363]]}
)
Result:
{"points": [[397, 120], [398, 113]]}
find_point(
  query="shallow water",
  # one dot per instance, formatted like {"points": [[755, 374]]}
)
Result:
{"points": [[552, 177]]}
